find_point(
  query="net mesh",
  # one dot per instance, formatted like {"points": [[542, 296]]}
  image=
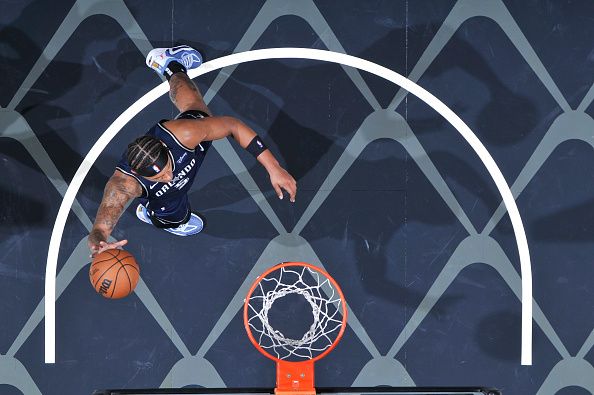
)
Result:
{"points": [[326, 307]]}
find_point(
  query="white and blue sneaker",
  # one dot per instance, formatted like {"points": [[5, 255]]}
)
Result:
{"points": [[192, 227], [159, 58], [142, 214]]}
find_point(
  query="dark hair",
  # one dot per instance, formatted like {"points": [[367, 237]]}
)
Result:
{"points": [[143, 151]]}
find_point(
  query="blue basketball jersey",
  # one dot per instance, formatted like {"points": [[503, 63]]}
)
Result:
{"points": [[170, 200]]}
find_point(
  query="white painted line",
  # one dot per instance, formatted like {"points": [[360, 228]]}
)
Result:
{"points": [[294, 53]]}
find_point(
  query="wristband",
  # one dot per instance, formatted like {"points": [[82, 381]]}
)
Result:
{"points": [[256, 146]]}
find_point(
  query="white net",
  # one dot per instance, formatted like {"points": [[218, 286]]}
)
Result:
{"points": [[319, 293]]}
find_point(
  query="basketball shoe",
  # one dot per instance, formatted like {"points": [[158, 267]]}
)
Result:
{"points": [[192, 227], [159, 58], [142, 214]]}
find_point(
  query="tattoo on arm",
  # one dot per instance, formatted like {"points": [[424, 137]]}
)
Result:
{"points": [[117, 193], [96, 236]]}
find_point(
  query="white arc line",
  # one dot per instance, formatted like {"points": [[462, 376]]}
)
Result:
{"points": [[292, 53]]}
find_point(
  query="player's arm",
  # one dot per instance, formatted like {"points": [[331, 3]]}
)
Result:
{"points": [[193, 131], [120, 189]]}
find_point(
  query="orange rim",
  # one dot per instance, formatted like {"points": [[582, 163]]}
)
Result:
{"points": [[278, 267]]}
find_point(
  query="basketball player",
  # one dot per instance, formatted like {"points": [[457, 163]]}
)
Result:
{"points": [[159, 167]]}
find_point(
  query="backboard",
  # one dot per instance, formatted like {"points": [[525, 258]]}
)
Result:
{"points": [[320, 391]]}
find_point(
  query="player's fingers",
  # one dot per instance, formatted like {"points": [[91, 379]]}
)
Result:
{"points": [[279, 191], [112, 246], [104, 246], [120, 243], [291, 188]]}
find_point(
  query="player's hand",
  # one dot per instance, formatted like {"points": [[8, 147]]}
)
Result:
{"points": [[102, 246], [281, 179]]}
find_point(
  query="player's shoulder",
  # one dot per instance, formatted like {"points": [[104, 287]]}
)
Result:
{"points": [[196, 123], [125, 182], [191, 132]]}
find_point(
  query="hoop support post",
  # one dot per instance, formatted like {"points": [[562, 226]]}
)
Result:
{"points": [[295, 378]]}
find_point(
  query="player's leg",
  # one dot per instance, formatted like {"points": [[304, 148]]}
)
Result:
{"points": [[173, 64], [185, 94]]}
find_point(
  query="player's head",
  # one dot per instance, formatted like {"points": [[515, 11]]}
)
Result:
{"points": [[149, 157]]}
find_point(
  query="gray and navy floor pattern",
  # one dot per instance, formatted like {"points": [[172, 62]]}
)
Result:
{"points": [[392, 201]]}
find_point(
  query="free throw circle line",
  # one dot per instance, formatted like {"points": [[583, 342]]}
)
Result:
{"points": [[292, 53]]}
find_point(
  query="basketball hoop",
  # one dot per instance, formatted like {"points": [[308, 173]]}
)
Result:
{"points": [[295, 357]]}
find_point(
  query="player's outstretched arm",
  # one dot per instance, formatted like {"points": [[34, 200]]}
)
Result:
{"points": [[193, 131], [118, 191]]}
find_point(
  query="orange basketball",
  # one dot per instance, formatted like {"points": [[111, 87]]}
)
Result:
{"points": [[114, 273]]}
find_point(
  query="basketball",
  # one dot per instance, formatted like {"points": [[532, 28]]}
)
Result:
{"points": [[114, 273]]}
